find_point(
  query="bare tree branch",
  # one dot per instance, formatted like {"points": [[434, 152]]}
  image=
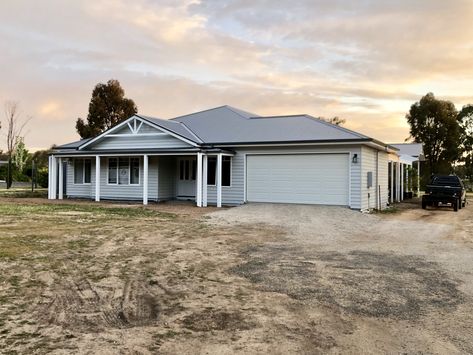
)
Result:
{"points": [[15, 126]]}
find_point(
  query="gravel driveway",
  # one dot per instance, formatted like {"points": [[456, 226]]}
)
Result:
{"points": [[401, 282]]}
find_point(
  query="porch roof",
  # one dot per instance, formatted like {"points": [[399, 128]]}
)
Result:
{"points": [[130, 152]]}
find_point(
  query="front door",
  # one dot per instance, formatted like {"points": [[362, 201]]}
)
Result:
{"points": [[186, 177]]}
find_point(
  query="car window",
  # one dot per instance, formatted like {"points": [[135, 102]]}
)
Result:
{"points": [[446, 181]]}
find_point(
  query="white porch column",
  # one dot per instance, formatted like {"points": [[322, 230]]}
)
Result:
{"points": [[398, 182], [219, 180], [408, 182], [97, 178], [49, 177], [198, 181], [61, 180], [53, 177], [402, 182], [392, 182], [145, 179], [418, 178], [204, 180]]}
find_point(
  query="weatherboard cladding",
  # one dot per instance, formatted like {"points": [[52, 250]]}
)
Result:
{"points": [[368, 163], [114, 191], [167, 180], [139, 142]]}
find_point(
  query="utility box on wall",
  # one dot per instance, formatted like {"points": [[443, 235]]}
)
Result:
{"points": [[369, 179]]}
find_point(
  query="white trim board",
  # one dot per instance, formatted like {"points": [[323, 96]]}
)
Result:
{"points": [[133, 129]]}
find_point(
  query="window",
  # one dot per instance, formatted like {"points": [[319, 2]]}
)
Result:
{"points": [[124, 171], [112, 170], [211, 170], [187, 169], [82, 171], [87, 171], [226, 171], [135, 171]]}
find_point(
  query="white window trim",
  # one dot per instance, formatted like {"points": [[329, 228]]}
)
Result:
{"points": [[129, 171], [183, 159], [231, 172], [83, 172]]}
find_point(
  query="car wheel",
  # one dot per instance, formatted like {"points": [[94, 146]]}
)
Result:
{"points": [[455, 205], [424, 205]]}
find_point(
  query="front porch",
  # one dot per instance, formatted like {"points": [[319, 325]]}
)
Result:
{"points": [[146, 177]]}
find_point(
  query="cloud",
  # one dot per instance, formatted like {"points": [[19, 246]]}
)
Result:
{"points": [[364, 61]]}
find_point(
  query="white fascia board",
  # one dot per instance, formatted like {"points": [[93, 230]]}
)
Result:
{"points": [[89, 155]]}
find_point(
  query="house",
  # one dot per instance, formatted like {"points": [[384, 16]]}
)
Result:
{"points": [[225, 156], [401, 183]]}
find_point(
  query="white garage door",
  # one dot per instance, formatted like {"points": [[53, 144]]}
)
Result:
{"points": [[298, 178]]}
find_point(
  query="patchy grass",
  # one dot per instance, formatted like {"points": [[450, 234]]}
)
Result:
{"points": [[108, 278], [24, 193], [13, 246], [389, 210], [63, 209]]}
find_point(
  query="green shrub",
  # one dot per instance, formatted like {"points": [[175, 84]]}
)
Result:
{"points": [[42, 177]]}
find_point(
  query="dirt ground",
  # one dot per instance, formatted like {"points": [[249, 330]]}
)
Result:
{"points": [[85, 278]]}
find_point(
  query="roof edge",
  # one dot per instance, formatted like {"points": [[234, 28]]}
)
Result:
{"points": [[354, 140]]}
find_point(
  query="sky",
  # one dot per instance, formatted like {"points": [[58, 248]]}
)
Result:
{"points": [[365, 61]]}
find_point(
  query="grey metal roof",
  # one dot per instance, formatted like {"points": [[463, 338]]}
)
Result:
{"points": [[412, 149], [227, 125], [73, 145]]}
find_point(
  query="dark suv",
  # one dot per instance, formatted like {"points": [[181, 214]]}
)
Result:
{"points": [[445, 189]]}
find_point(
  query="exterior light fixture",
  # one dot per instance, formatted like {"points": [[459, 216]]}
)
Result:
{"points": [[354, 159]]}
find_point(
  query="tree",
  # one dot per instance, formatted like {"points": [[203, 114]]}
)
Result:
{"points": [[20, 155], [15, 128], [108, 106], [465, 117], [335, 120], [434, 123]]}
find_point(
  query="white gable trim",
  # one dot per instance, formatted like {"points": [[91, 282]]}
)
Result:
{"points": [[170, 132], [134, 129]]}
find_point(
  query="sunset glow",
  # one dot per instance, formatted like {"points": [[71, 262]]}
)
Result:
{"points": [[366, 62]]}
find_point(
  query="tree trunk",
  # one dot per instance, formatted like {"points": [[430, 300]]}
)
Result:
{"points": [[9, 173]]}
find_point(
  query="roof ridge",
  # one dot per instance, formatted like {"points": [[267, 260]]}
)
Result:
{"points": [[147, 118], [191, 131], [335, 126], [279, 116], [236, 110], [193, 113]]}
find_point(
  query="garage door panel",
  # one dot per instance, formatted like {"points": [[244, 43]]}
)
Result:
{"points": [[302, 178]]}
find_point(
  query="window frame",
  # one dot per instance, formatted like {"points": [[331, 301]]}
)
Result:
{"points": [[117, 183], [187, 170], [131, 171], [82, 160], [231, 170]]}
